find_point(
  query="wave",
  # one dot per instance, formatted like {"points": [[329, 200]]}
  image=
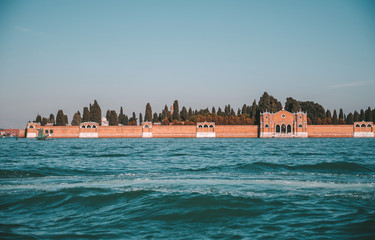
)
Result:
{"points": [[323, 167], [19, 174]]}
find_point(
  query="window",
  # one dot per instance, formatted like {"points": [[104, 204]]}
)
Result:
{"points": [[211, 126], [46, 131], [88, 126], [31, 126], [51, 131], [363, 125], [94, 126], [283, 116], [200, 126], [205, 126], [266, 117], [83, 126], [146, 126], [266, 126], [300, 117], [300, 125]]}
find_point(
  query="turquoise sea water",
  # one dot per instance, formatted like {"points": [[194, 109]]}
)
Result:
{"points": [[187, 189]]}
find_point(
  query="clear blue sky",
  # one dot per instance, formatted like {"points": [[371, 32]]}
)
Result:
{"points": [[64, 54]]}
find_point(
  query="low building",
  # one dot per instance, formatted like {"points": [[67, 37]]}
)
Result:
{"points": [[283, 124]]}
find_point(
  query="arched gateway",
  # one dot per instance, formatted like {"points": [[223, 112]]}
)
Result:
{"points": [[283, 124]]}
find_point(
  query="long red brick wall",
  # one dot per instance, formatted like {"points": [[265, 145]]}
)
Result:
{"points": [[330, 131], [174, 131], [120, 132], [236, 131], [189, 131]]}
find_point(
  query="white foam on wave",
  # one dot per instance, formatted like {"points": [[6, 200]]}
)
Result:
{"points": [[243, 185]]}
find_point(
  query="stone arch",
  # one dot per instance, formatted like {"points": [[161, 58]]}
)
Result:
{"points": [[278, 128], [205, 126], [83, 126], [211, 126], [289, 129], [357, 125], [94, 126], [200, 126]]}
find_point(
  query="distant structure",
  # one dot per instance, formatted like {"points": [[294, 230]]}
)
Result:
{"points": [[105, 121], [283, 124], [363, 129]]}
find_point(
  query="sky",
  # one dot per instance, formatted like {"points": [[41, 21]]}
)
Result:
{"points": [[64, 54]]}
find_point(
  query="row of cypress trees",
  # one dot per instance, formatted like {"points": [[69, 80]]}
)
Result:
{"points": [[248, 114]]}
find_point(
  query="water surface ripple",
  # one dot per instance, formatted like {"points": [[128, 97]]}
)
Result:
{"points": [[187, 188]]}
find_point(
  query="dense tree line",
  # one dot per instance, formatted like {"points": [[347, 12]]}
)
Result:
{"points": [[246, 115]]}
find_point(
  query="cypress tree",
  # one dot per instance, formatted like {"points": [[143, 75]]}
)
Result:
{"points": [[96, 113], [292, 105], [114, 118], [140, 118], [38, 119], [155, 118], [219, 112], [368, 114], [254, 108], [86, 115], [76, 119], [334, 118], [121, 117], [65, 120], [190, 113], [213, 110], [350, 118], [134, 118], [362, 116], [148, 113], [60, 118], [328, 114], [184, 114], [356, 116], [373, 114], [243, 111], [341, 117], [52, 119], [176, 111], [126, 120]]}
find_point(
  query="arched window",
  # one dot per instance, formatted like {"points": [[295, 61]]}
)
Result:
{"points": [[205, 126], [266, 126], [289, 129], [369, 125], [357, 125], [200, 126], [83, 126], [300, 125], [31, 126], [211, 126], [88, 126], [94, 126], [363, 125], [283, 128], [277, 128], [146, 126]]}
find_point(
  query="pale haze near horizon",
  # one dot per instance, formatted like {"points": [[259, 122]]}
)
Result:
{"points": [[64, 54]]}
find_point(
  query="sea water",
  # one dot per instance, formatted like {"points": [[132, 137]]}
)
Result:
{"points": [[187, 189]]}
